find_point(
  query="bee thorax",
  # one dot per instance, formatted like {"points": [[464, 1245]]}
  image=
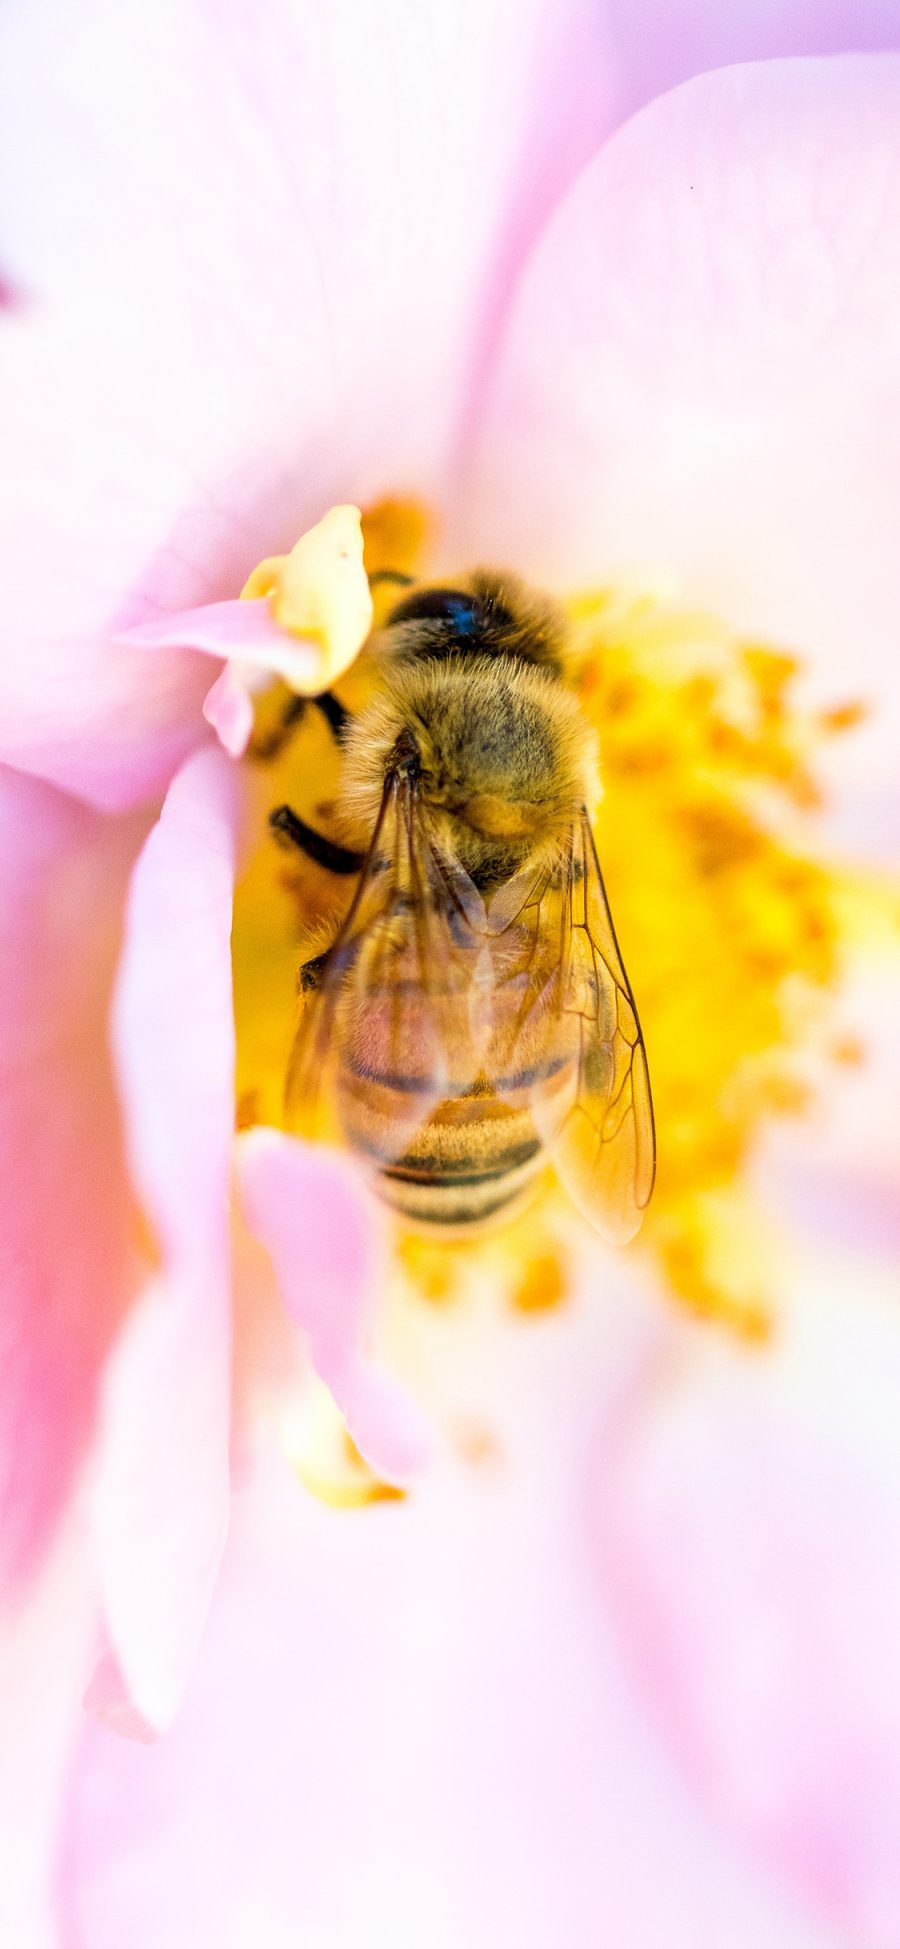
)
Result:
{"points": [[497, 755]]}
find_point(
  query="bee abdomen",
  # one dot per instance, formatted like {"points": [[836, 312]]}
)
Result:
{"points": [[452, 1153], [439, 1193], [474, 1155]]}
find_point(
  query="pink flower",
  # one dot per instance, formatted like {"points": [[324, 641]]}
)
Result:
{"points": [[260, 262]]}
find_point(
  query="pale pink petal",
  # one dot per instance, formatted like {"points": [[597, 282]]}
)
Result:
{"points": [[161, 1495], [65, 1204], [242, 629], [659, 43], [271, 306], [834, 1174], [328, 1250], [107, 1697], [173, 1026], [248, 633], [749, 1517], [699, 386], [303, 616], [305, 619], [412, 1725], [44, 1645], [228, 708]]}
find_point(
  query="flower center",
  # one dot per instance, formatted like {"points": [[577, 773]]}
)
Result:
{"points": [[728, 923]]}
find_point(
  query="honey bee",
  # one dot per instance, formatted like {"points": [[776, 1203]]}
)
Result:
{"points": [[469, 1016]]}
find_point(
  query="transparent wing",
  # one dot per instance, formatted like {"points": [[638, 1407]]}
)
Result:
{"points": [[390, 1020], [599, 1123]]}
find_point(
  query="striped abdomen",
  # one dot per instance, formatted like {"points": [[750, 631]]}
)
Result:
{"points": [[448, 1092]]}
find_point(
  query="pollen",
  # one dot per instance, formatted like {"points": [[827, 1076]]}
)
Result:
{"points": [[731, 925], [542, 1284]]}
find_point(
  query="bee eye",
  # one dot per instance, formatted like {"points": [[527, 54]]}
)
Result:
{"points": [[439, 605], [466, 614]]}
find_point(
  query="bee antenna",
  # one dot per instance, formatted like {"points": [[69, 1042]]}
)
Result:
{"points": [[396, 575]]}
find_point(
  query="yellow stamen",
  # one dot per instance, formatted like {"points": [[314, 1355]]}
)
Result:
{"points": [[729, 925]]}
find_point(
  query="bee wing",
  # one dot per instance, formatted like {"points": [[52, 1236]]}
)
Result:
{"points": [[600, 1128], [390, 1024]]}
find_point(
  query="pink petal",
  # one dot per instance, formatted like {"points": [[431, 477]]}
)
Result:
{"points": [[834, 1175], [246, 631], [161, 1496], [749, 1517], [659, 43], [65, 1253], [227, 707], [242, 629], [698, 386], [303, 616], [267, 311], [108, 1698], [306, 1207], [413, 1725], [43, 1648]]}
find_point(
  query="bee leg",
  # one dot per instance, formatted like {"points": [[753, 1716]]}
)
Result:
{"points": [[270, 745], [336, 716], [265, 748], [288, 828]]}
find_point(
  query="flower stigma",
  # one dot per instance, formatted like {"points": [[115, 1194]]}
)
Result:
{"points": [[302, 617]]}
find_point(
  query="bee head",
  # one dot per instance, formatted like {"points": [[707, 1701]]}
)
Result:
{"points": [[489, 615]]}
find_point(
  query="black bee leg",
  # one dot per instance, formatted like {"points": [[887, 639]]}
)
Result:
{"points": [[268, 746], [291, 830], [336, 715]]}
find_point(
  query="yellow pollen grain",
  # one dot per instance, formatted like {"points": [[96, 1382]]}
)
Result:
{"points": [[478, 1446], [431, 1265], [843, 717], [543, 1285], [848, 1050]]}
